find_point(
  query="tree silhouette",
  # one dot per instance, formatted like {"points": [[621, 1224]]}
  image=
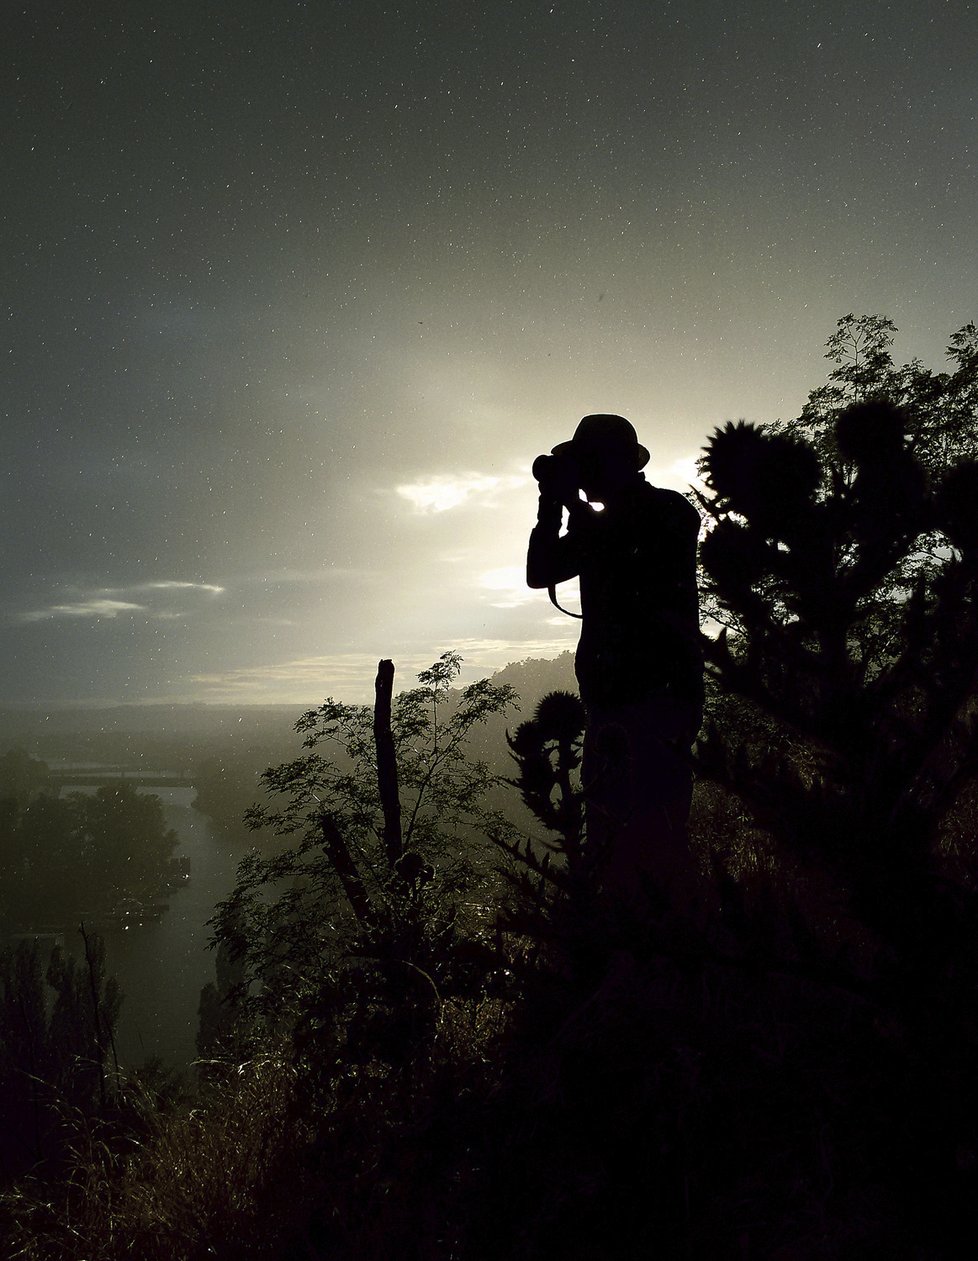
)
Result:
{"points": [[377, 816], [941, 405], [21, 777], [57, 1047], [840, 565], [841, 562], [547, 751], [66, 857]]}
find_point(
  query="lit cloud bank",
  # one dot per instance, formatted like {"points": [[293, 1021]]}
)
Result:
{"points": [[96, 607], [450, 490], [207, 587], [444, 491], [350, 675], [506, 587], [108, 603]]}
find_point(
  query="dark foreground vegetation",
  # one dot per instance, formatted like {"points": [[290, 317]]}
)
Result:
{"points": [[431, 1036]]}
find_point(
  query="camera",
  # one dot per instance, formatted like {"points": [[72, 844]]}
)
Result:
{"points": [[555, 472]]}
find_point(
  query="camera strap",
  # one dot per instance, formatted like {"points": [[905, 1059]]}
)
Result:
{"points": [[552, 592]]}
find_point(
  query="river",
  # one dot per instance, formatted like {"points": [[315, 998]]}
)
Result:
{"points": [[162, 965]]}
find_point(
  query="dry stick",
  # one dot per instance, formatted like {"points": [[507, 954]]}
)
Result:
{"points": [[338, 853], [387, 762], [32, 1056], [96, 1015]]}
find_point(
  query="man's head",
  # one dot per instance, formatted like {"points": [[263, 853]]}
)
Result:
{"points": [[608, 453]]}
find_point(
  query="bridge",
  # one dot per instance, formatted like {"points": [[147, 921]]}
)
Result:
{"points": [[57, 781]]}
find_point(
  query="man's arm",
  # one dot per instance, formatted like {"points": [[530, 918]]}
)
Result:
{"points": [[551, 558]]}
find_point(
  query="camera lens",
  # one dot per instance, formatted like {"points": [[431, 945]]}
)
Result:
{"points": [[544, 467]]}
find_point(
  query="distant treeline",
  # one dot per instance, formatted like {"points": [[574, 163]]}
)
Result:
{"points": [[63, 858]]}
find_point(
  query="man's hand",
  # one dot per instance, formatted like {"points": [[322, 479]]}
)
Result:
{"points": [[550, 511], [559, 479], [564, 489]]}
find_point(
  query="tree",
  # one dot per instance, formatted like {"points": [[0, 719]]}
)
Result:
{"points": [[378, 816], [45, 872], [123, 843], [63, 857], [940, 407], [21, 777], [24, 1056], [225, 783], [57, 1031], [547, 751], [81, 1031], [841, 560]]}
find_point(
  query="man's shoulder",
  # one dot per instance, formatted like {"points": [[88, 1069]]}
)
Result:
{"points": [[672, 505]]}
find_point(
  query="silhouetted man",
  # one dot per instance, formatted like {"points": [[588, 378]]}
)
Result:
{"points": [[639, 665]]}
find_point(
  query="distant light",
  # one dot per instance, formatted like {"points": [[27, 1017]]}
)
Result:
{"points": [[508, 586], [446, 491]]}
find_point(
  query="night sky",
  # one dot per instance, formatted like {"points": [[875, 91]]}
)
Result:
{"points": [[293, 293]]}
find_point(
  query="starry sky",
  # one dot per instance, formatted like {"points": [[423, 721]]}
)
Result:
{"points": [[293, 293]]}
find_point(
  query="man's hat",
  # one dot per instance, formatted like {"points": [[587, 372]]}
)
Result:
{"points": [[603, 434]]}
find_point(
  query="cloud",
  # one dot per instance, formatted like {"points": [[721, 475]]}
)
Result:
{"points": [[180, 586], [444, 491], [679, 475], [109, 602], [97, 608], [506, 587], [450, 490]]}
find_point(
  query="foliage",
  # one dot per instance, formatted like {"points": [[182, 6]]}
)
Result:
{"points": [[547, 752], [941, 406], [343, 895], [61, 858], [172, 1182], [223, 783], [553, 879], [21, 777], [841, 560], [845, 572], [57, 1028]]}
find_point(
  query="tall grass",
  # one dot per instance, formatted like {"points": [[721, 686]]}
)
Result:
{"points": [[192, 1181]]}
